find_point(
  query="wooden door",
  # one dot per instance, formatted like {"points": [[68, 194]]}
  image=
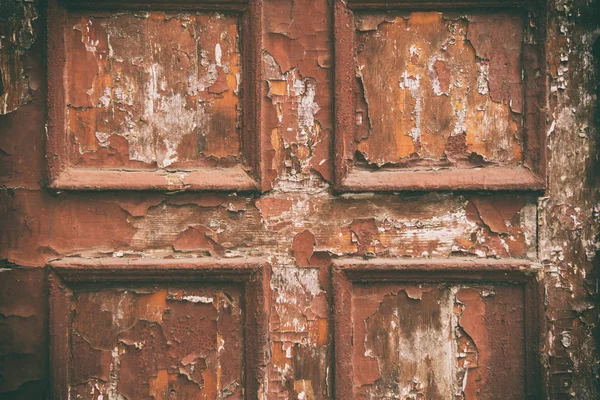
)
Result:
{"points": [[298, 199]]}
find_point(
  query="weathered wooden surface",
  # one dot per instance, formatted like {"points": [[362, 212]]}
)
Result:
{"points": [[439, 88], [120, 337], [438, 341], [300, 225], [152, 89]]}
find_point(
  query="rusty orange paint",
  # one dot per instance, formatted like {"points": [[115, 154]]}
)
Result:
{"points": [[169, 84], [142, 341], [430, 83], [301, 223]]}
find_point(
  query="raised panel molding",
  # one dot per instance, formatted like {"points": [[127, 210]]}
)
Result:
{"points": [[158, 327], [436, 328], [440, 95], [154, 95]]}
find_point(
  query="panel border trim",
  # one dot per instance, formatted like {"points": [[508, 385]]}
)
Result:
{"points": [[244, 177], [252, 273], [348, 271]]}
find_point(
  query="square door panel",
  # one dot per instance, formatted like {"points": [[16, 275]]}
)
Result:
{"points": [[150, 97], [435, 331], [440, 96], [184, 331], [157, 341]]}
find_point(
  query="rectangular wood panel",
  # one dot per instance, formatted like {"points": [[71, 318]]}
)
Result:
{"points": [[159, 328], [161, 93], [150, 90], [159, 341], [447, 96], [439, 329]]}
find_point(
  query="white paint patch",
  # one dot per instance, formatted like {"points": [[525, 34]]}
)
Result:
{"points": [[171, 154], [164, 114], [167, 120], [218, 54], [414, 51], [290, 279], [104, 100], [461, 117], [425, 341], [483, 72], [103, 138], [413, 84], [123, 97], [305, 90], [198, 299], [113, 377], [221, 343], [90, 45], [435, 80]]}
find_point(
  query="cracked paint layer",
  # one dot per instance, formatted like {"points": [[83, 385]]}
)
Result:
{"points": [[438, 341], [153, 89], [557, 228], [18, 30], [297, 68], [432, 225], [160, 343], [301, 345], [438, 89], [569, 217]]}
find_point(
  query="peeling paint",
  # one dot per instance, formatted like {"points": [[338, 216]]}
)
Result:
{"points": [[436, 341], [179, 342], [18, 31], [160, 82], [300, 224], [457, 101]]}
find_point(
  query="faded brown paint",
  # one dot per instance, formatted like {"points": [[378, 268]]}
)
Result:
{"points": [[170, 342], [18, 30], [297, 68], [568, 214], [439, 89], [435, 328], [157, 328], [23, 315], [301, 224], [153, 89], [438, 341], [492, 320], [423, 60], [166, 117]]}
